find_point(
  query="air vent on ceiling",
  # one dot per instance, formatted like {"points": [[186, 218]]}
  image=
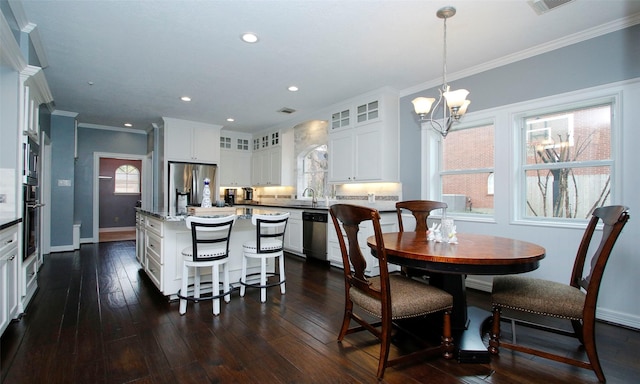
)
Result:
{"points": [[543, 6], [286, 110]]}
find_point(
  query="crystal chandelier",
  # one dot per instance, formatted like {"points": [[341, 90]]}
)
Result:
{"points": [[456, 101]]}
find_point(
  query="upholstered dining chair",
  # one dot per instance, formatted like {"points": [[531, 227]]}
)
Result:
{"points": [[386, 297], [420, 209], [209, 249], [575, 301], [268, 244]]}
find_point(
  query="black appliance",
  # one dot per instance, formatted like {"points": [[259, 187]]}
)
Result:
{"points": [[31, 152], [230, 196], [314, 235], [248, 194], [30, 220], [30, 195]]}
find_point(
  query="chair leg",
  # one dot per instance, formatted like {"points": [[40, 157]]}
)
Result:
{"points": [[494, 342], [196, 283], [346, 320], [385, 343], [282, 279], [447, 339], [588, 338], [215, 288], [225, 283], [243, 276], [184, 289], [263, 279]]}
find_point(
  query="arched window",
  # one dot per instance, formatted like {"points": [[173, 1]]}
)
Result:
{"points": [[127, 179], [314, 170]]}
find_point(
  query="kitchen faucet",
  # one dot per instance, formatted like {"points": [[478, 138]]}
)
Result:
{"points": [[314, 200]]}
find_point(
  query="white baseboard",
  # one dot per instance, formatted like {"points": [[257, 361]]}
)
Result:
{"points": [[117, 229], [621, 318], [480, 285], [61, 248]]}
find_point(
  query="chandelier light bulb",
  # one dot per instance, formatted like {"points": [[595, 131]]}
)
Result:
{"points": [[422, 105]]}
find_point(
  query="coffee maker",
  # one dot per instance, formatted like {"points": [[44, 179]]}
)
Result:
{"points": [[248, 194], [230, 196]]}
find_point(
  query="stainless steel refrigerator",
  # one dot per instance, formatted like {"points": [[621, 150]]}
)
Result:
{"points": [[186, 182]]}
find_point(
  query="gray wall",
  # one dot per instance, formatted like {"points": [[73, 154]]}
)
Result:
{"points": [[602, 60], [98, 140], [608, 59], [62, 179], [116, 210]]}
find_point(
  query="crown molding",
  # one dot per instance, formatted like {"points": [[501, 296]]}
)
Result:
{"points": [[10, 52], [566, 41], [34, 77], [110, 128], [59, 112]]}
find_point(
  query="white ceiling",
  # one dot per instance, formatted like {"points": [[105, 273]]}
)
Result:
{"points": [[141, 56]]}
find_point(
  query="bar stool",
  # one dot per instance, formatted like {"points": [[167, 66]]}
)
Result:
{"points": [[269, 243], [209, 249]]}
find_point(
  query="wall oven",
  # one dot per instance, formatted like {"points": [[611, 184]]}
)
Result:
{"points": [[31, 151], [31, 204], [31, 220]]}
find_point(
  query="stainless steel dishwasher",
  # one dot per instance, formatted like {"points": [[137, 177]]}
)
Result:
{"points": [[314, 235]]}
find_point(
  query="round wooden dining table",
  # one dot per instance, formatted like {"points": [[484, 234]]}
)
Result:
{"points": [[449, 264]]}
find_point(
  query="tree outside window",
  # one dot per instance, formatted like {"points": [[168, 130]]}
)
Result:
{"points": [[568, 162], [127, 179], [466, 171], [314, 169]]}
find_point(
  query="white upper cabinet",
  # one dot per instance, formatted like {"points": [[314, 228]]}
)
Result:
{"points": [[191, 141], [235, 159], [272, 162], [363, 141]]}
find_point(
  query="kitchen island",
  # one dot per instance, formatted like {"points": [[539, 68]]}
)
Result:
{"points": [[160, 238]]}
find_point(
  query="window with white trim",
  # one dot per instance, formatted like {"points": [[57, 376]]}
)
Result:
{"points": [[315, 170], [466, 169], [566, 160], [127, 179]]}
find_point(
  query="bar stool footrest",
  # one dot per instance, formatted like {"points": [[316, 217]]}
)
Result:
{"points": [[206, 295], [269, 285]]}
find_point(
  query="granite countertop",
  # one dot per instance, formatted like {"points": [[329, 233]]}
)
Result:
{"points": [[9, 221], [240, 212], [382, 208]]}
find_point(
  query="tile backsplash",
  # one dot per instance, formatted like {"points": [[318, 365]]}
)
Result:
{"points": [[365, 194]]}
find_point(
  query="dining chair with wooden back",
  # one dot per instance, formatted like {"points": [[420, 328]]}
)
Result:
{"points": [[575, 301], [420, 209], [388, 297]]}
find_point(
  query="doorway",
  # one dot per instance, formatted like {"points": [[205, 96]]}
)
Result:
{"points": [[118, 190]]}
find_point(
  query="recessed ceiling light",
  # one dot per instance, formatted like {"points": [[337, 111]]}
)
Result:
{"points": [[293, 88], [249, 37], [185, 98], [231, 119], [128, 125]]}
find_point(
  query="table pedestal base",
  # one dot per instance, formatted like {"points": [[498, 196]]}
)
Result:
{"points": [[471, 349]]}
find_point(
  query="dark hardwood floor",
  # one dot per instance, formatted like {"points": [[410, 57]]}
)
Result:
{"points": [[98, 319]]}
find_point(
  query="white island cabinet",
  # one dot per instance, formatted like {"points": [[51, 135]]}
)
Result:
{"points": [[166, 238], [9, 257]]}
